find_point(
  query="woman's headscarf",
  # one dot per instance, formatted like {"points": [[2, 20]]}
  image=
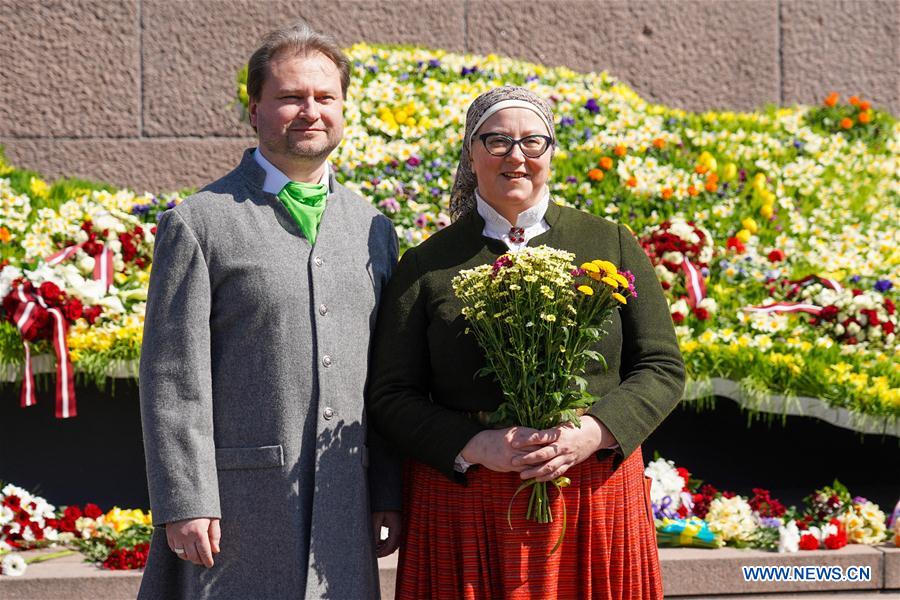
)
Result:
{"points": [[462, 196]]}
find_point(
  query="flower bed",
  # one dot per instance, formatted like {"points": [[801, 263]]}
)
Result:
{"points": [[774, 233], [689, 512], [117, 539]]}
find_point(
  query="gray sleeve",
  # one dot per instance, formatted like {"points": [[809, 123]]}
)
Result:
{"points": [[175, 380]]}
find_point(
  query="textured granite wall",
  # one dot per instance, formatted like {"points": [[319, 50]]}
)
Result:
{"points": [[138, 92]]}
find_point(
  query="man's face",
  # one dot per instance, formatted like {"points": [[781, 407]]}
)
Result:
{"points": [[299, 114]]}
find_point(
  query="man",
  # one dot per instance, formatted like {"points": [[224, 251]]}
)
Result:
{"points": [[262, 298]]}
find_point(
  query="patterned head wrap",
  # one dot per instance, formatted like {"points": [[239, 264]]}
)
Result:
{"points": [[462, 196]]}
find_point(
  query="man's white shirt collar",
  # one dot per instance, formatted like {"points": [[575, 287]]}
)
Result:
{"points": [[497, 227], [276, 180]]}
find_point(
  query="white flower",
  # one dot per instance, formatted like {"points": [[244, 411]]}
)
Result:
{"points": [[666, 482], [13, 565], [789, 537]]}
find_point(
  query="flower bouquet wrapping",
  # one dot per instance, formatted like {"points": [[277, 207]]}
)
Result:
{"points": [[538, 319]]}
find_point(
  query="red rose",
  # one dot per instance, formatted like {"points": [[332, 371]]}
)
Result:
{"points": [[776, 256], [889, 306], [92, 248], [72, 512], [92, 511], [139, 231], [153, 230], [829, 313], [735, 244], [91, 313], [685, 475], [809, 542], [677, 318], [887, 327], [73, 309], [857, 292], [50, 291], [701, 313]]}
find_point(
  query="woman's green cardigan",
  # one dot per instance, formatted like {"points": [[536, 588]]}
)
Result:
{"points": [[422, 383]]}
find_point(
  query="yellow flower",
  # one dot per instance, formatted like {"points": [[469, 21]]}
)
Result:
{"points": [[586, 290], [610, 282], [590, 267], [607, 267], [620, 279], [750, 225], [38, 187], [766, 211], [619, 297]]}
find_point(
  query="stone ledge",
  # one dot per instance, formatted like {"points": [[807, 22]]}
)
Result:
{"points": [[687, 573]]}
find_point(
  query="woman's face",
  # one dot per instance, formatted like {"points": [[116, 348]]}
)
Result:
{"points": [[512, 183]]}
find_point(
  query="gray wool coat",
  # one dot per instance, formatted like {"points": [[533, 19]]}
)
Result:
{"points": [[252, 375]]}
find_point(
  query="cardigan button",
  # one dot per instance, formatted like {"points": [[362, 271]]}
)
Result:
{"points": [[328, 413], [323, 310], [319, 261], [326, 360]]}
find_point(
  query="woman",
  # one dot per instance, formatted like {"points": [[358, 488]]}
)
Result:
{"points": [[426, 398]]}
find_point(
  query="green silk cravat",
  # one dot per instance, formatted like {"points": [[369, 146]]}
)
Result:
{"points": [[306, 203]]}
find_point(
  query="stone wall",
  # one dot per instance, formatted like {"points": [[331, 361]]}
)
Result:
{"points": [[138, 92]]}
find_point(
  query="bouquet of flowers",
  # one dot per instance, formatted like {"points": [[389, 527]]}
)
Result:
{"points": [[538, 319]]}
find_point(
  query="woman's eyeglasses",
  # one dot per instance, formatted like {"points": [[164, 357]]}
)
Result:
{"points": [[532, 146]]}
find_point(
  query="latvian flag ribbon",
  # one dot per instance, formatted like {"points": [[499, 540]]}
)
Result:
{"points": [[786, 307], [25, 316], [103, 262], [696, 287]]}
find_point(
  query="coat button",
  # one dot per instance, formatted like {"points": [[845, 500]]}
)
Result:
{"points": [[328, 412], [319, 261], [326, 360], [323, 310]]}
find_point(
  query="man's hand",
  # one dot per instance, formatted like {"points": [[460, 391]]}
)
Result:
{"points": [[391, 520], [195, 540], [565, 446]]}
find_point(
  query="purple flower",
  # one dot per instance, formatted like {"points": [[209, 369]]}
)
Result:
{"points": [[773, 522], [376, 181], [468, 70], [372, 68], [390, 205], [435, 191], [170, 204], [742, 175], [531, 78], [421, 220], [428, 176], [855, 279], [403, 76], [859, 500], [566, 122], [883, 285], [434, 63], [571, 179], [414, 161], [588, 134], [798, 144], [704, 271], [592, 106]]}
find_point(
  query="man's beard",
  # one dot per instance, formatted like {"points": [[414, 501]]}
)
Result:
{"points": [[311, 151]]}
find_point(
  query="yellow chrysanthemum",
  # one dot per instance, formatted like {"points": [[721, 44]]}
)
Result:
{"points": [[586, 290], [610, 282], [619, 297]]}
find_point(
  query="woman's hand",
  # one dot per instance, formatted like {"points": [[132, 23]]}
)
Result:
{"points": [[497, 449], [561, 447]]}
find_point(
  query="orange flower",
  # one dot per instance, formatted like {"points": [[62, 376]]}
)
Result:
{"points": [[620, 150], [692, 191], [659, 143], [667, 193], [865, 117], [5, 235], [864, 105], [854, 100], [832, 99], [712, 178], [701, 169], [846, 123], [632, 182], [595, 175], [606, 163], [711, 186]]}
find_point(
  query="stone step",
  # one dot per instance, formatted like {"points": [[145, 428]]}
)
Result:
{"points": [[687, 573]]}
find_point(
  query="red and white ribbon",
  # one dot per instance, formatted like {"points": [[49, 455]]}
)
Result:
{"points": [[786, 307], [829, 283], [65, 381], [696, 287], [23, 318], [103, 262]]}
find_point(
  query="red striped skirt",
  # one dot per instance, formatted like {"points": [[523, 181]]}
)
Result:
{"points": [[457, 543]]}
